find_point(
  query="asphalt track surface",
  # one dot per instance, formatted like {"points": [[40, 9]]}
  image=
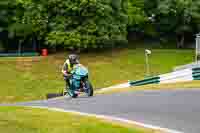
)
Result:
{"points": [[172, 109]]}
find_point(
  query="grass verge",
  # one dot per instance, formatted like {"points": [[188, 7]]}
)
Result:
{"points": [[32, 120], [24, 79]]}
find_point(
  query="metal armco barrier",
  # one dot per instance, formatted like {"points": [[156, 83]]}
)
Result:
{"points": [[177, 76]]}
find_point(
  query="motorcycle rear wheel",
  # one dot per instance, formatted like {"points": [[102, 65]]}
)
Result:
{"points": [[89, 89]]}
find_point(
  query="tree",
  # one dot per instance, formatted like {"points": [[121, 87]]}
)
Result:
{"points": [[175, 17], [86, 23], [31, 19], [136, 15], [6, 17], [70, 24]]}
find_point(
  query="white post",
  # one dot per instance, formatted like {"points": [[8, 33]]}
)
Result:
{"points": [[147, 52], [147, 65], [197, 47]]}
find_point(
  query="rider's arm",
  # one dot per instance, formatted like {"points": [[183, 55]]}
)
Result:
{"points": [[64, 69]]}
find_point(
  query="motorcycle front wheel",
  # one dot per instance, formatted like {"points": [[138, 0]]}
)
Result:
{"points": [[72, 94]]}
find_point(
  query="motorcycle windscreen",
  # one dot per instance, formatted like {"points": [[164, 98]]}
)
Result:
{"points": [[81, 71]]}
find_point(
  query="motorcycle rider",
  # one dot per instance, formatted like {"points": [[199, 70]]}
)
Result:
{"points": [[68, 66]]}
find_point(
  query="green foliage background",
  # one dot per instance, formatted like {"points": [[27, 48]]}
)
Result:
{"points": [[87, 24]]}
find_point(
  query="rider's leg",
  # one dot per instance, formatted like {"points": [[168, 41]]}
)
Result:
{"points": [[67, 84]]}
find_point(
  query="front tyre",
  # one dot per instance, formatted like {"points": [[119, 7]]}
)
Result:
{"points": [[72, 94]]}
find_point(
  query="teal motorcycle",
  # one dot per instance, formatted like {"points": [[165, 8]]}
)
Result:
{"points": [[79, 82]]}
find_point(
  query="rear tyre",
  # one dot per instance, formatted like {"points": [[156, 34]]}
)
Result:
{"points": [[89, 90]]}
